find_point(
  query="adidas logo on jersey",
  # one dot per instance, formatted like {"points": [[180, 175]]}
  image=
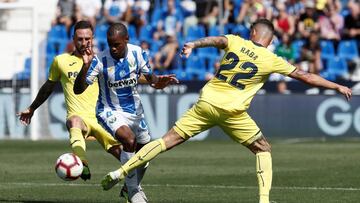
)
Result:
{"points": [[123, 83]]}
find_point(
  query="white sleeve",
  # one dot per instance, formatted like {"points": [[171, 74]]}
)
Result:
{"points": [[93, 71], [145, 67]]}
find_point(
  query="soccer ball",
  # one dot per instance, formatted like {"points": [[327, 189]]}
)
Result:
{"points": [[68, 167]]}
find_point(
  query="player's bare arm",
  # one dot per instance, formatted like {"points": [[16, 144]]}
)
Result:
{"points": [[219, 42], [161, 81], [43, 94], [80, 84], [318, 81]]}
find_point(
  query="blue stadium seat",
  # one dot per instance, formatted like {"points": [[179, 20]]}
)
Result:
{"points": [[146, 32], [337, 66], [155, 47], [156, 16], [57, 32], [207, 52], [327, 49], [56, 46], [57, 40], [297, 45], [179, 71], [100, 31], [214, 30], [101, 44], [114, 10], [195, 68], [348, 49], [237, 4], [195, 32], [132, 35], [241, 30], [211, 64], [132, 31]]}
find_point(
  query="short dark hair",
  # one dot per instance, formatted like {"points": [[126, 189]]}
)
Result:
{"points": [[263, 21], [117, 29], [83, 24]]}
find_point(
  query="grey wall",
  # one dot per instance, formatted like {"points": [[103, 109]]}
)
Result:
{"points": [[295, 115]]}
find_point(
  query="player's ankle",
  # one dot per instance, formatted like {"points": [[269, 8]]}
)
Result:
{"points": [[264, 199], [117, 174]]}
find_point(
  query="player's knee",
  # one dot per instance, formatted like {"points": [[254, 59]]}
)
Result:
{"points": [[172, 138], [127, 138], [260, 145], [266, 147], [74, 121], [115, 151]]}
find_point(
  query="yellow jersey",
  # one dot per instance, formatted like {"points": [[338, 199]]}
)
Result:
{"points": [[244, 69], [65, 68]]}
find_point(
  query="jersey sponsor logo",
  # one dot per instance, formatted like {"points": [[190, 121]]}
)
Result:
{"points": [[129, 82], [72, 74]]}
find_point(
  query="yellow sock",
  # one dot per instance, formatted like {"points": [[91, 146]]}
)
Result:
{"points": [[77, 143], [264, 175], [144, 155]]}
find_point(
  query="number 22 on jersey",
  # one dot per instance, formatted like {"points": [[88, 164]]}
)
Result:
{"points": [[237, 77]]}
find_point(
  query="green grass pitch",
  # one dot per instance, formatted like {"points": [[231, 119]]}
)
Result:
{"points": [[195, 172]]}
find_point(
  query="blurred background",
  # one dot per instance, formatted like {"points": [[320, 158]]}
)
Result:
{"points": [[318, 36]]}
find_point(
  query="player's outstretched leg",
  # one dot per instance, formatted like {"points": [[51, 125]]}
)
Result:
{"points": [[78, 147], [264, 175], [261, 148], [147, 153]]}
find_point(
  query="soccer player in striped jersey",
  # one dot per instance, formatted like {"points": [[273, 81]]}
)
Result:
{"points": [[119, 109], [224, 100], [81, 121]]}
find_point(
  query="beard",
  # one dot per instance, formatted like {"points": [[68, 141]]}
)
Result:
{"points": [[81, 49]]}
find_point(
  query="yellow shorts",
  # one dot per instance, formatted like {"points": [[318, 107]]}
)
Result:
{"points": [[96, 130], [202, 116]]}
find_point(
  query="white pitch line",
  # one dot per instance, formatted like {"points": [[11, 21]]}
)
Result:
{"points": [[188, 186]]}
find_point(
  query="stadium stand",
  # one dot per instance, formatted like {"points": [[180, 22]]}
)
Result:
{"points": [[149, 31]]}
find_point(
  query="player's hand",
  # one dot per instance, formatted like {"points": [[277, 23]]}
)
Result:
{"points": [[187, 49], [25, 116], [164, 80], [345, 91], [87, 53]]}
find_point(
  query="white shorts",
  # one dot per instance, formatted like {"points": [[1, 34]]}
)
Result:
{"points": [[112, 120]]}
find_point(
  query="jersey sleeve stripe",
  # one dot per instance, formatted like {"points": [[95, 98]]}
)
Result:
{"points": [[100, 104], [136, 61], [147, 64], [106, 77]]}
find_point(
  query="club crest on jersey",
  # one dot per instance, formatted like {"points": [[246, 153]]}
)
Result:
{"points": [[128, 82], [122, 73]]}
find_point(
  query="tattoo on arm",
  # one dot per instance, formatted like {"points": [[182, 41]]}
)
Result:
{"points": [[219, 42], [301, 73]]}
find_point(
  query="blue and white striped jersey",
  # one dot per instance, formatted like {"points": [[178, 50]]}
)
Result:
{"points": [[118, 79]]}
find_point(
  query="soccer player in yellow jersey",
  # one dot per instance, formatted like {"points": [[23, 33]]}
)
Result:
{"points": [[81, 121], [224, 100]]}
